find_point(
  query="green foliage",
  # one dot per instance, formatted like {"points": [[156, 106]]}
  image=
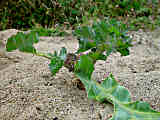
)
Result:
{"points": [[102, 37], [28, 13], [105, 36], [4, 19], [69, 13], [23, 42], [119, 7], [110, 90], [57, 61]]}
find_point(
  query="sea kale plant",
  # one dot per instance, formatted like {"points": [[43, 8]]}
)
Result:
{"points": [[96, 42]]}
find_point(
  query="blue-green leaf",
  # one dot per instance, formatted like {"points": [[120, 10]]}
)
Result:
{"points": [[111, 34], [118, 95]]}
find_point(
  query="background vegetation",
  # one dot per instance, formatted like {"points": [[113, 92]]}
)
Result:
{"points": [[25, 14]]}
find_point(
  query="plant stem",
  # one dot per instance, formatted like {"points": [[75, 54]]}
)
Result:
{"points": [[42, 55]]}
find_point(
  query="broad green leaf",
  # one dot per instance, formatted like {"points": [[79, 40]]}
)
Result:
{"points": [[23, 42], [57, 61], [110, 90], [135, 111], [84, 70]]}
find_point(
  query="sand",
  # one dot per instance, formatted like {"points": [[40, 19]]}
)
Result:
{"points": [[28, 91]]}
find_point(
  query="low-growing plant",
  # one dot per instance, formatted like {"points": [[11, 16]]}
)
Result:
{"points": [[96, 42]]}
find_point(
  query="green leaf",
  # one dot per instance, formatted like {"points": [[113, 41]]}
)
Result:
{"points": [[81, 67], [110, 90], [75, 12], [57, 61], [22, 42], [135, 111], [111, 34], [55, 65], [97, 56], [63, 53], [84, 35]]}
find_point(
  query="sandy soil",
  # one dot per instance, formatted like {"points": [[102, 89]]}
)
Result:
{"points": [[28, 91]]}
